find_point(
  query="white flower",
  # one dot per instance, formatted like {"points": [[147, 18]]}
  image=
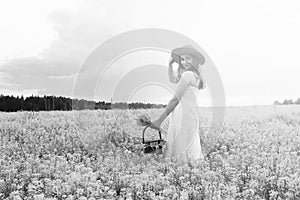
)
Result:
{"points": [[39, 197], [17, 197], [167, 191]]}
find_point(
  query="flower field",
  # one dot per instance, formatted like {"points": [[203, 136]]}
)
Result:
{"points": [[98, 155]]}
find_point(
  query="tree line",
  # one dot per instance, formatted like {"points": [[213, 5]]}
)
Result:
{"points": [[47, 103], [287, 102]]}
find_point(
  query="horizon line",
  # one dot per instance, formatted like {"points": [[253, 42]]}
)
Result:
{"points": [[72, 98]]}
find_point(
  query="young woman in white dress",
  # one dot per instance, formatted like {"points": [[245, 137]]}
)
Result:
{"points": [[183, 140]]}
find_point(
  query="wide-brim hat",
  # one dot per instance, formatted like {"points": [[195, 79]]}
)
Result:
{"points": [[188, 50]]}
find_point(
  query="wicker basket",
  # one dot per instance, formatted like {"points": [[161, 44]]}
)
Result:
{"points": [[153, 146]]}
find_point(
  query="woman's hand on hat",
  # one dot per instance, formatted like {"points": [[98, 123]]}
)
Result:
{"points": [[171, 61]]}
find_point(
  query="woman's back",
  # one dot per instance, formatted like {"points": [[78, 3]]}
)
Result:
{"points": [[191, 96]]}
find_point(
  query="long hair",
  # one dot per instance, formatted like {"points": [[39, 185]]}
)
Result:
{"points": [[200, 78]]}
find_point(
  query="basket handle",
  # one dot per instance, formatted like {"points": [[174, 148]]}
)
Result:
{"points": [[144, 134]]}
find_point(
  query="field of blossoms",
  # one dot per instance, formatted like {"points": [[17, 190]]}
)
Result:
{"points": [[98, 155]]}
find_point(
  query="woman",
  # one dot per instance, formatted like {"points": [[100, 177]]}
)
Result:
{"points": [[183, 141]]}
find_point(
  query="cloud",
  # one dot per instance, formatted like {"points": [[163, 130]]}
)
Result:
{"points": [[79, 32], [64, 76], [54, 69], [255, 53]]}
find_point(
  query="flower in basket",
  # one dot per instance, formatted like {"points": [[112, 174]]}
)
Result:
{"points": [[143, 120]]}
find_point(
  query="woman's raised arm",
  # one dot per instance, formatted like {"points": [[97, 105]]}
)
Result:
{"points": [[172, 77]]}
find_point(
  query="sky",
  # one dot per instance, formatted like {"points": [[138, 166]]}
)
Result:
{"points": [[254, 46]]}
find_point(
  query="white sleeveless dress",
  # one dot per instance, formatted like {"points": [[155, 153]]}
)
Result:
{"points": [[183, 140]]}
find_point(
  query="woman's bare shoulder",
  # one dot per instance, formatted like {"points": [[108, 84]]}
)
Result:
{"points": [[188, 76]]}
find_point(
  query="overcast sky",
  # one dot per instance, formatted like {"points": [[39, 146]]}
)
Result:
{"points": [[254, 45]]}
